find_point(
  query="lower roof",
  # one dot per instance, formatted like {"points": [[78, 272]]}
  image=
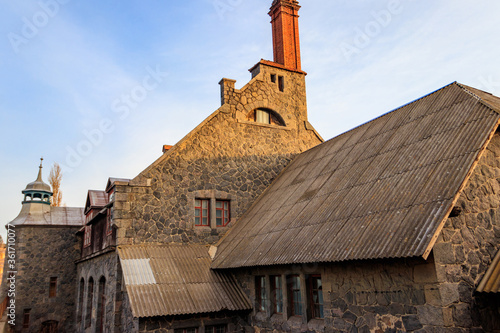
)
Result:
{"points": [[174, 279]]}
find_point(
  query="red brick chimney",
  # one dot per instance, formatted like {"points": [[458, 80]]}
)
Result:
{"points": [[285, 22]]}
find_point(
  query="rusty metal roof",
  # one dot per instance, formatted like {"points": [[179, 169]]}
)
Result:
{"points": [[96, 199], [381, 190], [176, 279], [491, 280]]}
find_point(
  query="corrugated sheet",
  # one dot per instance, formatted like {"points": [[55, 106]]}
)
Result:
{"points": [[380, 190], [177, 279], [491, 280]]}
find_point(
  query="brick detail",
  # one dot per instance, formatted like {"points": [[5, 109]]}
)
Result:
{"points": [[285, 24]]}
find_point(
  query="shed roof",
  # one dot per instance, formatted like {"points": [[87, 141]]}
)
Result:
{"points": [[491, 280], [176, 279], [381, 190]]}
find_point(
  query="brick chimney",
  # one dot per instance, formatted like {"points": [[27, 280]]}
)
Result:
{"points": [[285, 22]]}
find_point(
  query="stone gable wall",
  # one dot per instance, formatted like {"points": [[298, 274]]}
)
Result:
{"points": [[467, 246], [42, 253], [228, 156]]}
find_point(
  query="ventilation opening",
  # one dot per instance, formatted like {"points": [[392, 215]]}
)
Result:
{"points": [[281, 83], [273, 78]]}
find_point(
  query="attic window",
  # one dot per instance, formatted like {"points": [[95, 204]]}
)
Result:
{"points": [[267, 117]]}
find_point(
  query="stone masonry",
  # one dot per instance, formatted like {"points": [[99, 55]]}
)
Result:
{"points": [[36, 264], [228, 156]]}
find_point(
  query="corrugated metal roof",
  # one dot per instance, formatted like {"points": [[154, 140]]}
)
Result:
{"points": [[491, 280], [176, 279], [380, 190]]}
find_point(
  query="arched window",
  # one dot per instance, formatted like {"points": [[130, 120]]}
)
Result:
{"points": [[266, 116], [81, 295], [90, 301], [101, 305]]}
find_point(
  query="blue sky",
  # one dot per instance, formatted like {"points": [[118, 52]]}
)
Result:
{"points": [[73, 73]]}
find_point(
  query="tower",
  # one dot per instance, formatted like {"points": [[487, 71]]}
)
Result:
{"points": [[37, 191], [285, 24]]}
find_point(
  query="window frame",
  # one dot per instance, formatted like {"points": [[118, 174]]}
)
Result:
{"points": [[293, 304], [213, 328], [109, 217], [201, 216], [275, 300], [315, 306], [261, 300], [87, 236], [185, 330], [53, 287], [225, 211], [26, 318]]}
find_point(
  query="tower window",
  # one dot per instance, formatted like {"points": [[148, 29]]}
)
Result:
{"points": [[26, 318], [281, 83], [273, 78], [53, 287]]}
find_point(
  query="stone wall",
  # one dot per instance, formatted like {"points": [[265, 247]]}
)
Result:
{"points": [[42, 253], [378, 296], [229, 156], [233, 321], [106, 266], [467, 245]]}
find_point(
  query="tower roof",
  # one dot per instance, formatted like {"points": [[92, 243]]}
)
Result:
{"points": [[38, 184]]}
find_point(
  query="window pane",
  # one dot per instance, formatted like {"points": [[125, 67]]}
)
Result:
{"points": [[205, 203], [205, 221], [218, 213], [197, 220], [197, 203], [218, 204]]}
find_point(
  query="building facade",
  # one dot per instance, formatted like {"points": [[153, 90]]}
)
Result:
{"points": [[251, 223]]}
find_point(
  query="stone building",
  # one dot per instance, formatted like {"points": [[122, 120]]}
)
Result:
{"points": [[251, 223], [45, 250]]}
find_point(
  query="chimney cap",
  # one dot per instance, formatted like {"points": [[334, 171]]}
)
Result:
{"points": [[166, 148]]}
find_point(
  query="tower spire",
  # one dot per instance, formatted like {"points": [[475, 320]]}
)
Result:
{"points": [[39, 178], [285, 23]]}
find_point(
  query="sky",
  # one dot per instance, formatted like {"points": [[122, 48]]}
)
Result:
{"points": [[100, 86]]}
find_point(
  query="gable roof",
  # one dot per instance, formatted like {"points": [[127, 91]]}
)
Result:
{"points": [[95, 199], [381, 190], [176, 279]]}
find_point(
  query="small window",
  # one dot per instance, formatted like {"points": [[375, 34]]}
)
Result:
{"points": [[281, 83], [202, 212], [109, 228], [277, 294], [26, 318], [222, 214], [53, 287], [216, 329], [295, 297], [316, 296], [263, 117], [186, 330], [261, 293], [80, 300], [273, 78], [87, 236], [90, 303]]}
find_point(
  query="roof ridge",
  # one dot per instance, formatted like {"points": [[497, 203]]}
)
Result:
{"points": [[470, 90]]}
